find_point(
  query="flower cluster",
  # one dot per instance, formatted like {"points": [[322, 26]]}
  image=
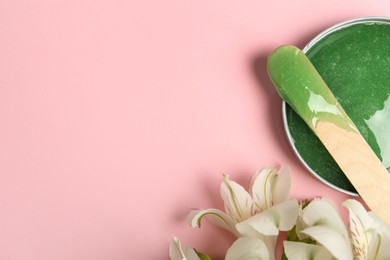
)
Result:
{"points": [[315, 229]]}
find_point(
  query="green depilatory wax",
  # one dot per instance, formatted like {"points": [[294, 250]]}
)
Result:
{"points": [[355, 64]]}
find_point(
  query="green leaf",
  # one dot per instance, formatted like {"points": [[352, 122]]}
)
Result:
{"points": [[284, 257], [202, 256], [292, 235]]}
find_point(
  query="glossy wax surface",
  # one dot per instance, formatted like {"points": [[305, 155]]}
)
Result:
{"points": [[355, 63]]}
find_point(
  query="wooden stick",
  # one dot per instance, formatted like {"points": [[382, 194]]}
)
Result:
{"points": [[300, 85]]}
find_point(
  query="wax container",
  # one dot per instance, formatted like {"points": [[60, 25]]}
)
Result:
{"points": [[353, 58]]}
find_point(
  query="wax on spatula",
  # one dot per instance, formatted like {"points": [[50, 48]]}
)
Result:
{"points": [[300, 85]]}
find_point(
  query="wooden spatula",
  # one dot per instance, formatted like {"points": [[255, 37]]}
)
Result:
{"points": [[300, 85]]}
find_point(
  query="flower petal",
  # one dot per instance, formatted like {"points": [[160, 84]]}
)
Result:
{"points": [[238, 202], [379, 225], [248, 248], [215, 216], [299, 250], [301, 225], [380, 241], [360, 224], [261, 188], [337, 245], [280, 217], [281, 186], [327, 228], [179, 252]]}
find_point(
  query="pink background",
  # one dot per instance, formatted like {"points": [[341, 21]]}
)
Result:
{"points": [[117, 117]]}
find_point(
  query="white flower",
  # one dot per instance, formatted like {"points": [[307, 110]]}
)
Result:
{"points": [[260, 214], [366, 238], [316, 230]]}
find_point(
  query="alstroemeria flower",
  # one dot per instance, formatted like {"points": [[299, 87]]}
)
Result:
{"points": [[364, 239], [370, 236], [261, 214]]}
